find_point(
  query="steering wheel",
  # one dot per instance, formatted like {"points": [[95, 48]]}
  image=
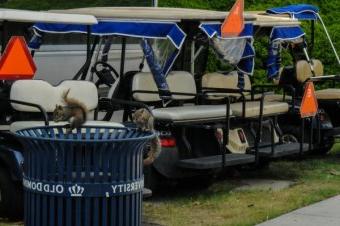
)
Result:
{"points": [[107, 75]]}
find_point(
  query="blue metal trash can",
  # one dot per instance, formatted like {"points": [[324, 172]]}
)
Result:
{"points": [[89, 177]]}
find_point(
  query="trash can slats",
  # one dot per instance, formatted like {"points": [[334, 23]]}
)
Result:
{"points": [[88, 177]]}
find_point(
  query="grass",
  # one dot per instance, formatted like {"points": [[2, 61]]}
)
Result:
{"points": [[316, 179]]}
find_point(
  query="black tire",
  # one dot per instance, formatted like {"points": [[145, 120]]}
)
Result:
{"points": [[152, 178], [11, 197], [294, 131]]}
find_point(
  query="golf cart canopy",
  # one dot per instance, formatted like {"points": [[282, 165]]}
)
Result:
{"points": [[237, 51], [300, 11], [278, 36], [137, 29], [14, 15], [160, 57]]}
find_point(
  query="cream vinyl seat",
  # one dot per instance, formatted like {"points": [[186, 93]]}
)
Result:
{"points": [[218, 80], [180, 82], [273, 104], [328, 94], [303, 72], [47, 96]]}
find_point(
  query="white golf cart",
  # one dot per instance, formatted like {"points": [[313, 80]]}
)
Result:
{"points": [[17, 22]]}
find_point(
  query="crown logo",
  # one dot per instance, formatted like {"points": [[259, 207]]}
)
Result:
{"points": [[76, 191]]}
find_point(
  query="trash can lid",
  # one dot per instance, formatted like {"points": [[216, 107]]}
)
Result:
{"points": [[85, 134]]}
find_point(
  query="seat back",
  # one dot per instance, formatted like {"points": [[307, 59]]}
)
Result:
{"points": [[47, 96], [304, 72], [222, 81], [178, 81]]}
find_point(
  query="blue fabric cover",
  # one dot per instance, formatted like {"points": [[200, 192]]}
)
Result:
{"points": [[300, 11], [246, 64], [277, 36], [139, 29], [156, 70], [286, 33], [214, 29]]}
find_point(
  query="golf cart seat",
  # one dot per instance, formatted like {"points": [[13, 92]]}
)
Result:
{"points": [[328, 94], [229, 81], [47, 96], [303, 72], [252, 108], [179, 82]]}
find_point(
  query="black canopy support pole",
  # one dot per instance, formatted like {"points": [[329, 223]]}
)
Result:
{"points": [[4, 35], [122, 57], [88, 53], [88, 41], [312, 35]]}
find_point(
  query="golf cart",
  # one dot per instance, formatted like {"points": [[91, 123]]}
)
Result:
{"points": [[260, 110], [198, 136], [305, 69], [17, 22]]}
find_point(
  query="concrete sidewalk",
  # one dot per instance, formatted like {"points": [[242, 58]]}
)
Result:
{"points": [[325, 213]]}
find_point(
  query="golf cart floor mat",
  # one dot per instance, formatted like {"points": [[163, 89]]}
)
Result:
{"points": [[215, 161], [282, 150]]}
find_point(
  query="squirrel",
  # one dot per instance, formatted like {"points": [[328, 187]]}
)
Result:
{"points": [[74, 111], [145, 122]]}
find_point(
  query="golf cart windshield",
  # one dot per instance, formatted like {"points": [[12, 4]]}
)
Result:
{"points": [[160, 41], [237, 51], [278, 36]]}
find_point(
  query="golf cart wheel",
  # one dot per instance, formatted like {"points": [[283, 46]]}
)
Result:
{"points": [[11, 197], [325, 147], [152, 178], [292, 134]]}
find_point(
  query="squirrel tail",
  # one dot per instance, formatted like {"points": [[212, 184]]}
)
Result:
{"points": [[65, 94], [75, 103]]}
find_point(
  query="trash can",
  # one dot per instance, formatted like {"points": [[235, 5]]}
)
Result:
{"points": [[89, 177]]}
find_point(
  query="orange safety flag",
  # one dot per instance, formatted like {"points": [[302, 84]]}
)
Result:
{"points": [[309, 104], [233, 24], [17, 62]]}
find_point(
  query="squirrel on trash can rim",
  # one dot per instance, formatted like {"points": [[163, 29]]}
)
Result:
{"points": [[145, 122], [74, 111]]}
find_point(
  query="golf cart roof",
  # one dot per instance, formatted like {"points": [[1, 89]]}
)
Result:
{"points": [[151, 13], [178, 14], [15, 15]]}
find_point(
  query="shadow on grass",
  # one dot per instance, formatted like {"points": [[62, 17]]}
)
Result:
{"points": [[292, 169]]}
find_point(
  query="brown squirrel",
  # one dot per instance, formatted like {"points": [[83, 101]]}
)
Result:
{"points": [[74, 111], [145, 121]]}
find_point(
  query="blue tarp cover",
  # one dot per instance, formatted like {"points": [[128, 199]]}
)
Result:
{"points": [[300, 11], [286, 33], [214, 29], [277, 36], [139, 29]]}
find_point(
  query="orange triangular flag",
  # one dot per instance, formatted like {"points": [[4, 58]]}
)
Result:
{"points": [[17, 62], [233, 24], [309, 104]]}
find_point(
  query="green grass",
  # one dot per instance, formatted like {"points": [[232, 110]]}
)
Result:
{"points": [[317, 178]]}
